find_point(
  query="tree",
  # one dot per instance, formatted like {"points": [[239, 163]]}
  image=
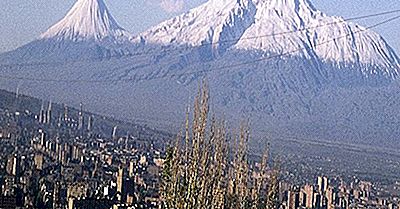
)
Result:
{"points": [[273, 188], [202, 171]]}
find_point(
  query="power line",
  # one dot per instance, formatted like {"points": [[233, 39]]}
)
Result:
{"points": [[307, 28], [302, 48], [229, 67], [202, 45]]}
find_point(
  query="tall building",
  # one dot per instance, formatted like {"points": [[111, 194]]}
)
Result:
{"points": [[48, 119], [16, 165], [42, 138], [330, 198], [309, 196], [293, 199], [90, 123], [322, 184], [326, 184], [39, 161], [10, 164], [56, 195], [42, 115], [120, 184], [81, 118], [114, 133], [76, 152], [343, 202], [318, 200], [302, 198]]}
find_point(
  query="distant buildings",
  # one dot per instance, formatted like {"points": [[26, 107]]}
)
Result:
{"points": [[357, 195], [13, 165], [70, 164], [81, 119], [45, 116], [90, 123]]}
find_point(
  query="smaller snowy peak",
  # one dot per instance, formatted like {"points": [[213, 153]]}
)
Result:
{"points": [[87, 20]]}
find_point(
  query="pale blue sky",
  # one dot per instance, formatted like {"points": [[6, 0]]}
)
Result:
{"points": [[22, 21]]}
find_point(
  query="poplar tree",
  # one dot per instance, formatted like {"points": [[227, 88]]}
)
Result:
{"points": [[203, 170]]}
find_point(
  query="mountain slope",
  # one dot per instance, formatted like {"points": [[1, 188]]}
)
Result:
{"points": [[310, 93], [88, 31], [87, 20], [102, 125], [251, 25]]}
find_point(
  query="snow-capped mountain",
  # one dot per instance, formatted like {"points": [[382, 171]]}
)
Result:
{"points": [[339, 81], [251, 25], [316, 32], [88, 31], [87, 20]]}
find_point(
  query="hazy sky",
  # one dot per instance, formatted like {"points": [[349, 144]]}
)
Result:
{"points": [[22, 21]]}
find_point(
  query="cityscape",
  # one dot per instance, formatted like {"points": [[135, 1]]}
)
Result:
{"points": [[51, 161]]}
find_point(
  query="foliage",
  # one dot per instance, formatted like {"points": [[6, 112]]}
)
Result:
{"points": [[203, 170]]}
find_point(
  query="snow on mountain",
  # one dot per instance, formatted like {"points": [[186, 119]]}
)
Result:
{"points": [[249, 25], [316, 32], [214, 21], [87, 32], [87, 20]]}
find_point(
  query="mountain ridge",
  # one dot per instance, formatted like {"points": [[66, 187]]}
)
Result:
{"points": [[229, 25], [244, 21]]}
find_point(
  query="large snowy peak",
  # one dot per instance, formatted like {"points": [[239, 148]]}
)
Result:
{"points": [[312, 33], [87, 20], [289, 27]]}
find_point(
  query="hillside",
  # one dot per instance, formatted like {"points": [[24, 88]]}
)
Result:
{"points": [[102, 125]]}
